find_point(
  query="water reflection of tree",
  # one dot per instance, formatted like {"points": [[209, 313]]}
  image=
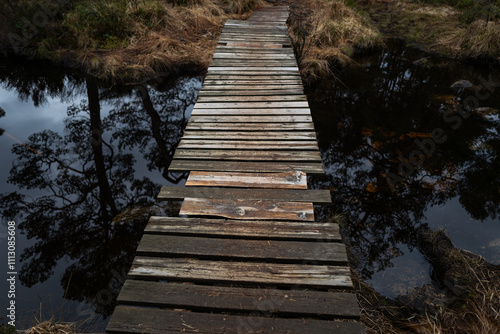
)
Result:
{"points": [[93, 210], [362, 137]]}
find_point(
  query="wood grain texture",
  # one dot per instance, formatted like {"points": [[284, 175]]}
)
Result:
{"points": [[250, 126], [244, 229], [133, 319], [284, 180], [246, 112], [248, 209], [238, 249], [233, 299], [251, 105], [250, 119], [279, 274], [278, 195], [240, 135], [315, 168], [249, 144], [247, 155]]}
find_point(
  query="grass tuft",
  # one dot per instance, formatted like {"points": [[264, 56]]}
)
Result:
{"points": [[330, 32], [53, 327]]}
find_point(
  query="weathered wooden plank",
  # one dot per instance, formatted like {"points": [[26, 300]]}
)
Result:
{"points": [[257, 45], [283, 180], [251, 98], [264, 135], [244, 91], [230, 32], [250, 126], [244, 229], [239, 249], [224, 48], [275, 69], [247, 155], [243, 112], [255, 42], [241, 85], [251, 105], [312, 168], [251, 119], [248, 209], [251, 63], [278, 195], [234, 299], [280, 274], [257, 77], [241, 55], [132, 319], [249, 144]]}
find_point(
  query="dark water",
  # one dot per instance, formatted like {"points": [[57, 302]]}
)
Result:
{"points": [[372, 118], [81, 200]]}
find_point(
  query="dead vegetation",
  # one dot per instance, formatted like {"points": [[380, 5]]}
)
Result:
{"points": [[329, 32], [128, 41], [178, 35], [53, 327], [465, 297], [467, 30]]}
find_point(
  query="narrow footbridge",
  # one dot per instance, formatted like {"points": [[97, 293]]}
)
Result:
{"points": [[245, 254]]}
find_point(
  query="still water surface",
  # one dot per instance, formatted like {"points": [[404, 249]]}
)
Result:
{"points": [[81, 200]]}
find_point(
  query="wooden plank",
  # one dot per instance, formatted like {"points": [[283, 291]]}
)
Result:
{"points": [[241, 55], [278, 195], [258, 45], [254, 41], [263, 112], [245, 229], [230, 32], [244, 91], [239, 249], [240, 135], [252, 119], [223, 48], [312, 168], [250, 63], [249, 144], [239, 98], [288, 77], [283, 180], [133, 319], [263, 68], [248, 209], [241, 85], [250, 126], [233, 299], [251, 105], [247, 155], [280, 274]]}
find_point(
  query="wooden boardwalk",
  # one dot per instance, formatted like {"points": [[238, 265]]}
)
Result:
{"points": [[264, 265]]}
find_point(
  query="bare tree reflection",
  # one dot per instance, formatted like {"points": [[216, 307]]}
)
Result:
{"points": [[368, 128], [93, 209]]}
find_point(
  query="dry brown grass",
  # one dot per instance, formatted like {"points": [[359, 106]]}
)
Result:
{"points": [[473, 305], [333, 32], [178, 35], [480, 39], [53, 327]]}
